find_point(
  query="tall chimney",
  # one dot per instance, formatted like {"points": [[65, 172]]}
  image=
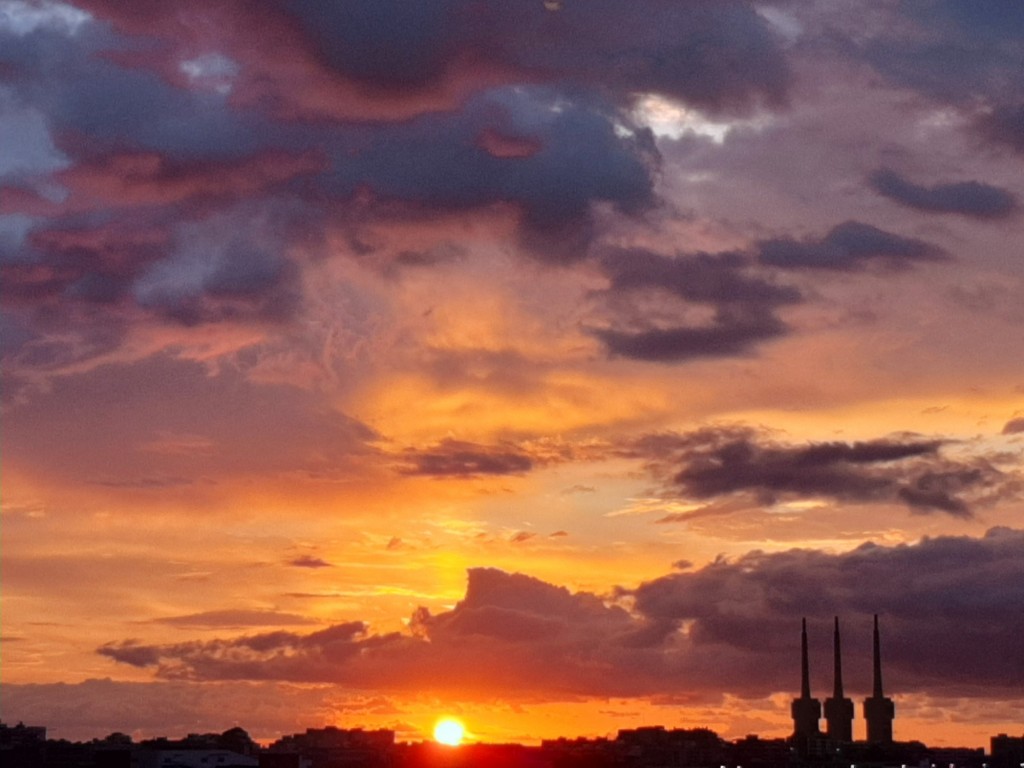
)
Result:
{"points": [[806, 711], [838, 709], [879, 711]]}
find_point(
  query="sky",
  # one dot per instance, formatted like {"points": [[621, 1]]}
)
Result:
{"points": [[540, 363]]}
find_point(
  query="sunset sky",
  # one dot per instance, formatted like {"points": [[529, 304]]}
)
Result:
{"points": [[536, 363]]}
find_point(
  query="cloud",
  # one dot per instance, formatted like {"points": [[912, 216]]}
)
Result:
{"points": [[743, 305], [95, 104], [387, 44], [232, 265], [128, 179], [238, 658], [456, 458], [188, 199], [155, 483], [730, 627], [587, 151], [969, 198], [701, 277], [721, 463], [729, 334], [953, 584], [716, 55], [234, 618], [308, 561], [22, 18], [928, 37], [928, 40], [549, 640], [1014, 426], [847, 246], [1005, 124], [260, 428], [136, 137]]}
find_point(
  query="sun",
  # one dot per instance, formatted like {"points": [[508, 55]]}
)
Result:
{"points": [[449, 731]]}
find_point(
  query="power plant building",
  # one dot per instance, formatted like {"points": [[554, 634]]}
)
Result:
{"points": [[879, 711]]}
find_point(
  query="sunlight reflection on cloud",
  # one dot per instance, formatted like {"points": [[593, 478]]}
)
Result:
{"points": [[670, 119], [24, 18]]}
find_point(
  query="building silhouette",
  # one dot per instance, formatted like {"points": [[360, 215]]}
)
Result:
{"points": [[879, 711], [838, 708], [805, 710]]}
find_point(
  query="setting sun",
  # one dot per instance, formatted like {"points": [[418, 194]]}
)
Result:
{"points": [[449, 731]]}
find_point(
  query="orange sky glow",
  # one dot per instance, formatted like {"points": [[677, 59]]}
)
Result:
{"points": [[538, 365]]}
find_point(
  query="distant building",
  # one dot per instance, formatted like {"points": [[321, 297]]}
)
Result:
{"points": [[22, 745], [193, 758], [754, 752], [1007, 751], [581, 752], [805, 710], [331, 747], [676, 747], [838, 708], [879, 711], [284, 760]]}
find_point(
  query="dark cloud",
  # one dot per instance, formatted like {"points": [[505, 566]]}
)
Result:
{"points": [[113, 109], [131, 653], [94, 104], [719, 463], [308, 561], [951, 585], [233, 265], [1014, 426], [208, 282], [924, 65], [386, 44], [236, 659], [715, 55], [964, 54], [548, 638], [456, 458], [743, 305], [847, 246], [970, 198], [82, 258], [587, 152], [986, 20], [979, 41], [161, 139], [1005, 124], [702, 277], [729, 627], [730, 333]]}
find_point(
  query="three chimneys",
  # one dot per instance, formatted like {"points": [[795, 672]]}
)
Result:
{"points": [[879, 711]]}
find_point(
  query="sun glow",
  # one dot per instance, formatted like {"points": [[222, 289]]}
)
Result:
{"points": [[449, 731]]}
